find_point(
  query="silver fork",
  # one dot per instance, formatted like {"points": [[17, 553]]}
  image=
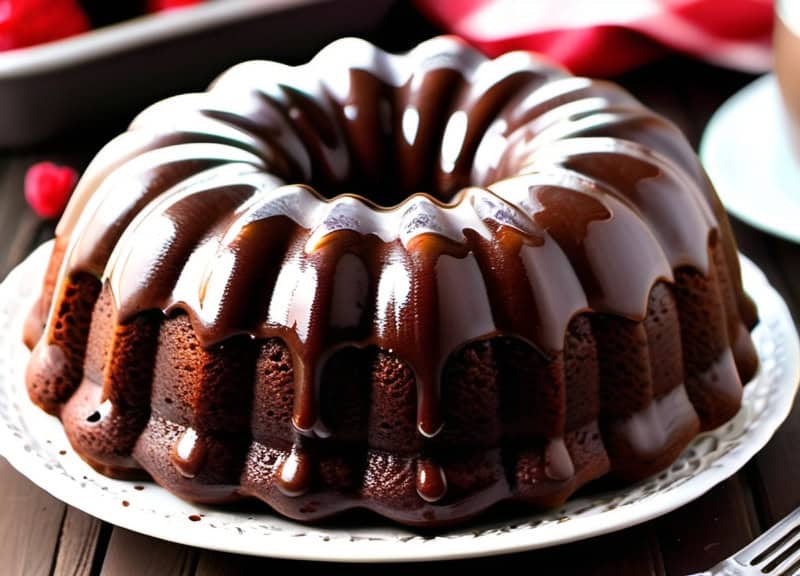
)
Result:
{"points": [[776, 553]]}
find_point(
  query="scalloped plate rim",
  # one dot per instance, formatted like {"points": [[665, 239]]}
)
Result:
{"points": [[385, 542]]}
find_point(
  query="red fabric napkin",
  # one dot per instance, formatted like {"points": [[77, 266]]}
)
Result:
{"points": [[607, 37]]}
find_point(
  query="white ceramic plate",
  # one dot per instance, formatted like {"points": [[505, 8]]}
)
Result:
{"points": [[748, 155], [35, 444]]}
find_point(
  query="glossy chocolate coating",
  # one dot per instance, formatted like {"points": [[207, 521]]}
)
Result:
{"points": [[412, 203]]}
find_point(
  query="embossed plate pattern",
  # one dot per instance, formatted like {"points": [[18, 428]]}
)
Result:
{"points": [[34, 444]]}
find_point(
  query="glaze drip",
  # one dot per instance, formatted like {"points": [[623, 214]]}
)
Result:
{"points": [[189, 453], [558, 464], [295, 473], [414, 204], [431, 481]]}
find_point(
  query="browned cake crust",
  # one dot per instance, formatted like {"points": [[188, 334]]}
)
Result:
{"points": [[564, 303]]}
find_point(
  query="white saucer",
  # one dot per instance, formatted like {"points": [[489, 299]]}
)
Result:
{"points": [[34, 444], [748, 155]]}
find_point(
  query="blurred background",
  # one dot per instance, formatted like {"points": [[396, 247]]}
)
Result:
{"points": [[64, 62]]}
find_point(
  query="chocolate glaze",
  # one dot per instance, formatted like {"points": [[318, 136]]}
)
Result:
{"points": [[431, 481], [295, 473], [411, 203], [189, 453]]}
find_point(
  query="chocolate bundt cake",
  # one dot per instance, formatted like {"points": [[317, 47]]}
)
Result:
{"points": [[417, 284]]}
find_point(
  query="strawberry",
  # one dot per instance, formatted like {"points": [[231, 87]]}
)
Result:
{"points": [[29, 22], [48, 186]]}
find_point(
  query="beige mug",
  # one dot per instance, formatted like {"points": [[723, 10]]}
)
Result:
{"points": [[787, 63]]}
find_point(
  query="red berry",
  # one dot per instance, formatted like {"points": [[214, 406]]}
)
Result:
{"points": [[29, 22], [161, 5], [48, 187]]}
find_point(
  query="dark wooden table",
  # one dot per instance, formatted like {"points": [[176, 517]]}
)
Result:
{"points": [[40, 535]]}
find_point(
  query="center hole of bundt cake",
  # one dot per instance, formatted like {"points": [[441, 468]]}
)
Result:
{"points": [[386, 151], [383, 178]]}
